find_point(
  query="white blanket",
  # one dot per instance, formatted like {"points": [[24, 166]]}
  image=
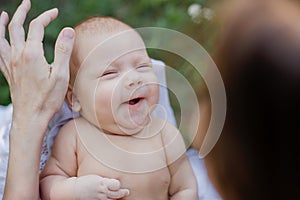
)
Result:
{"points": [[5, 122]]}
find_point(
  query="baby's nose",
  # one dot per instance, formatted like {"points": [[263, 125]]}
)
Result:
{"points": [[133, 79]]}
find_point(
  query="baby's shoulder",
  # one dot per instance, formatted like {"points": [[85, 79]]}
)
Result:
{"points": [[66, 136], [70, 125], [70, 128], [73, 123]]}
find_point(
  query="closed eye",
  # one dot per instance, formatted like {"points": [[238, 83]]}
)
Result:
{"points": [[109, 74], [144, 67]]}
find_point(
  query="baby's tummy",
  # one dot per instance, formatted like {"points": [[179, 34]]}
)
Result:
{"points": [[152, 185], [147, 186]]}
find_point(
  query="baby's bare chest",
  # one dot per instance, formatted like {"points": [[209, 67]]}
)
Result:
{"points": [[139, 164]]}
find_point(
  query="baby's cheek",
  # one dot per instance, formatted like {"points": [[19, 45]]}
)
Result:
{"points": [[154, 94]]}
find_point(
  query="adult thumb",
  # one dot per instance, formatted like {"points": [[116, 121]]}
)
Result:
{"points": [[63, 50]]}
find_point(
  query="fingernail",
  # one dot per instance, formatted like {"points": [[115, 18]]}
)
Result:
{"points": [[27, 4], [2, 14], [68, 33]]}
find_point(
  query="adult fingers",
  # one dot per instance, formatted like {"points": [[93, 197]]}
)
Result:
{"points": [[4, 72], [37, 26], [5, 48], [3, 23], [16, 30], [63, 50], [34, 45]]}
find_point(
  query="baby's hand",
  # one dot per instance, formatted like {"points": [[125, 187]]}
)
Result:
{"points": [[98, 188]]}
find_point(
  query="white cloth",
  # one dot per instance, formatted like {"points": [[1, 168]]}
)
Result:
{"points": [[5, 122], [164, 110], [205, 188]]}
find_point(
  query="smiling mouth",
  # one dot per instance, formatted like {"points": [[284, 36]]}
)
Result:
{"points": [[135, 101]]}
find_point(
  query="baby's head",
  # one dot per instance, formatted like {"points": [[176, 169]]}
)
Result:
{"points": [[89, 33], [112, 83]]}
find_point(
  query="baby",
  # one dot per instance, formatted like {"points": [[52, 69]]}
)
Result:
{"points": [[113, 86]]}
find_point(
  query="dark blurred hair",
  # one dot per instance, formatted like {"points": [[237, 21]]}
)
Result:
{"points": [[258, 55]]}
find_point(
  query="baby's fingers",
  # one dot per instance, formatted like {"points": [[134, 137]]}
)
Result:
{"points": [[112, 184], [117, 194], [114, 189]]}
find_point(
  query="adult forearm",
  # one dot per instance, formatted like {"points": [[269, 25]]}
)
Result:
{"points": [[23, 166], [37, 92]]}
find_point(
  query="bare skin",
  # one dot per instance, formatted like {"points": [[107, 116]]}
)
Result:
{"points": [[37, 93], [115, 136], [168, 174], [25, 68]]}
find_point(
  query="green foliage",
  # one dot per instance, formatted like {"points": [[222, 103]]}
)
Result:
{"points": [[4, 91]]}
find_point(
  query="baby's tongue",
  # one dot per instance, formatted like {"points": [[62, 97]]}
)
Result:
{"points": [[139, 115]]}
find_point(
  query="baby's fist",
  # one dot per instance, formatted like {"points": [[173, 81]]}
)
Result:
{"points": [[98, 188]]}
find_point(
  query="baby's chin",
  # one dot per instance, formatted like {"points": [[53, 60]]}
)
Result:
{"points": [[133, 130], [132, 127]]}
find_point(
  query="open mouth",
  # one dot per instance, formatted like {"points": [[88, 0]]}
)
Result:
{"points": [[135, 101]]}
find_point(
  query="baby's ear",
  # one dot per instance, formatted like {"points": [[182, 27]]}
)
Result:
{"points": [[72, 100]]}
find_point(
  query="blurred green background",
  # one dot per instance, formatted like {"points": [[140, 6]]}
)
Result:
{"points": [[191, 17]]}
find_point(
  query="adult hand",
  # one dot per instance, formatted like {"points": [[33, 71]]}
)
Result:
{"points": [[37, 90]]}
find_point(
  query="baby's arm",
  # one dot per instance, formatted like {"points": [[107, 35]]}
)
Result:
{"points": [[183, 183], [58, 179]]}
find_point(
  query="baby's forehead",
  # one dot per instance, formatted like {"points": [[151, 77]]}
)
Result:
{"points": [[104, 39], [110, 37], [100, 25], [107, 45], [104, 31]]}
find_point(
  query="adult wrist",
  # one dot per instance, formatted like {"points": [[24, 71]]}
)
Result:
{"points": [[29, 125]]}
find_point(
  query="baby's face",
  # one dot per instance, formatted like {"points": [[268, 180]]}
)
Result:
{"points": [[116, 85]]}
